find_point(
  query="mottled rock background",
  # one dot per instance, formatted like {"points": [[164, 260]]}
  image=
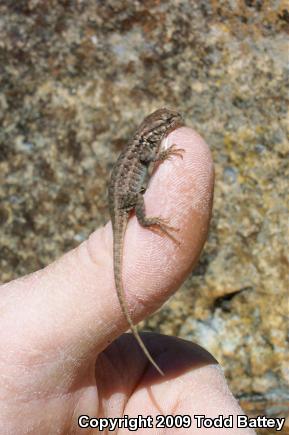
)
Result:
{"points": [[75, 79]]}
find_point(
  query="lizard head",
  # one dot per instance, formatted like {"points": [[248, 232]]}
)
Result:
{"points": [[161, 122]]}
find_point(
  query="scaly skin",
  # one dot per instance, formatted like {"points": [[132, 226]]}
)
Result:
{"points": [[128, 181]]}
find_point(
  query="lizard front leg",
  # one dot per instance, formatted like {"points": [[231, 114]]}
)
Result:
{"points": [[147, 156], [153, 223]]}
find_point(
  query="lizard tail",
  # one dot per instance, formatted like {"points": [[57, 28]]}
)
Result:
{"points": [[117, 260]]}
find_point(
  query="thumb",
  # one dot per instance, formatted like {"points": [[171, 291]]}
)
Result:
{"points": [[71, 306]]}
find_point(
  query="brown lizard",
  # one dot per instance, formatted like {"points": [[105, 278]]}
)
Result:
{"points": [[129, 178]]}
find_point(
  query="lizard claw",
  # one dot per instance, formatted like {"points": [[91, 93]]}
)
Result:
{"points": [[161, 225]]}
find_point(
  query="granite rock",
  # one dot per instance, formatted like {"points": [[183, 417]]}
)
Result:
{"points": [[76, 78]]}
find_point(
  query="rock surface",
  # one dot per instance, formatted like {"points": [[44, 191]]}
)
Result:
{"points": [[76, 78]]}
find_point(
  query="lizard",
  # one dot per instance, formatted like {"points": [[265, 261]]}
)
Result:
{"points": [[128, 181]]}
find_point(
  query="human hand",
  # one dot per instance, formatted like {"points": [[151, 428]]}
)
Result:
{"points": [[56, 325]]}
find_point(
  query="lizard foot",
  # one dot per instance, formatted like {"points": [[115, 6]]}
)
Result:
{"points": [[170, 152], [161, 226]]}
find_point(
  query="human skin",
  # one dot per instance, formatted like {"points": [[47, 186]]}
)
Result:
{"points": [[63, 351]]}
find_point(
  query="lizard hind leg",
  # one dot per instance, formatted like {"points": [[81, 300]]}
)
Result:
{"points": [[156, 224], [168, 153]]}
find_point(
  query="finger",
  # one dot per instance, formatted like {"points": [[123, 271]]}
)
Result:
{"points": [[194, 384], [71, 305]]}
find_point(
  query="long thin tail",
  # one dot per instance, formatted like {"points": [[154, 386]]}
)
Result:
{"points": [[118, 256]]}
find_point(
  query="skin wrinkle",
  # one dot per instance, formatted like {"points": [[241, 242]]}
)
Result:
{"points": [[203, 175]]}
